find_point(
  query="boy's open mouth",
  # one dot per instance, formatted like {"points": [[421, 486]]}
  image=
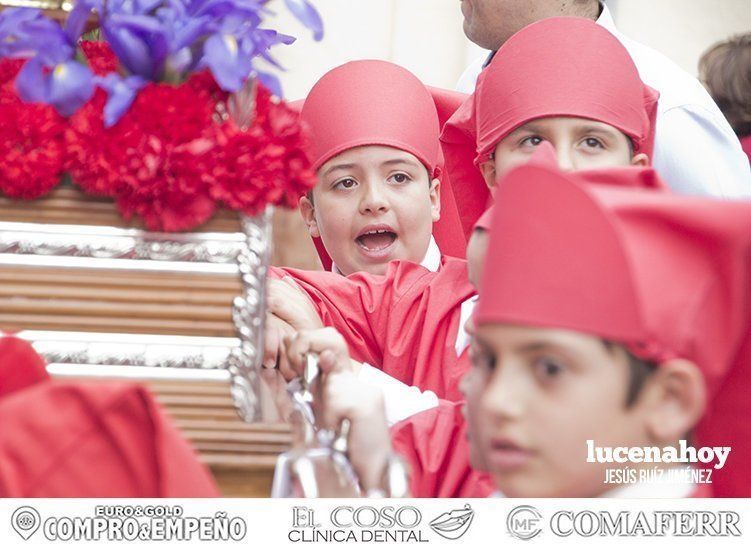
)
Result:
{"points": [[374, 239]]}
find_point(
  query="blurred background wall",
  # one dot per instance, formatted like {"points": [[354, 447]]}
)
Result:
{"points": [[426, 36]]}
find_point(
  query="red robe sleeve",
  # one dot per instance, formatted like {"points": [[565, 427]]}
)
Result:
{"points": [[64, 439], [404, 323], [434, 443], [20, 365]]}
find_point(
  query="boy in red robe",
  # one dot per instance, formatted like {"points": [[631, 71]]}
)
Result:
{"points": [[562, 80], [609, 317], [382, 192]]}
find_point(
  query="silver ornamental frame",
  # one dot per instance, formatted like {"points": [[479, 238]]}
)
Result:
{"points": [[234, 361]]}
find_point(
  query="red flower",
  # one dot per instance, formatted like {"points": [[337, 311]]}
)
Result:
{"points": [[100, 57], [171, 159], [264, 165], [162, 185], [161, 177], [93, 152], [31, 148], [9, 69]]}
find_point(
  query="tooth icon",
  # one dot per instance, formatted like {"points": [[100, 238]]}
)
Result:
{"points": [[25, 521], [452, 525]]}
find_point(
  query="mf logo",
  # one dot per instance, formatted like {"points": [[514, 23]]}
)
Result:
{"points": [[524, 522]]}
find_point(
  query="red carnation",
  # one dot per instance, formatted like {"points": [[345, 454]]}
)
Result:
{"points": [[94, 154], [161, 177], [9, 69], [263, 165], [31, 149], [100, 57]]}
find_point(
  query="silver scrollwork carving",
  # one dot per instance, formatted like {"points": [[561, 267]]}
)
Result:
{"points": [[116, 243], [248, 314]]}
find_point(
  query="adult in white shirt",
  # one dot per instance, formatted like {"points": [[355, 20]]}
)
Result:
{"points": [[696, 151]]}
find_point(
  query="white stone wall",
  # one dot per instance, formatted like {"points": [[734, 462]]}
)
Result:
{"points": [[682, 29], [426, 36]]}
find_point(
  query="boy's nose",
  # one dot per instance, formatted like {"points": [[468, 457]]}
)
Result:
{"points": [[504, 397], [565, 159], [374, 199]]}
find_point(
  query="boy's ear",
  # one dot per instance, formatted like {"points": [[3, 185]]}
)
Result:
{"points": [[640, 159], [309, 216], [435, 199], [674, 399], [488, 172]]}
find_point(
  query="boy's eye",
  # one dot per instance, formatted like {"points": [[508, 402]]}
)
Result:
{"points": [[481, 359], [593, 143], [400, 178], [531, 141], [547, 368], [346, 183]]}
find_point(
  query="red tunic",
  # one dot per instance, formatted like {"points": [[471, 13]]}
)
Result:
{"points": [[94, 439], [404, 323], [435, 445]]}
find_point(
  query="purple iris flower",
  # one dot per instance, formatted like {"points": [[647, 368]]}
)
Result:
{"points": [[154, 40], [230, 51], [307, 15], [52, 75], [139, 42], [19, 28], [120, 95]]}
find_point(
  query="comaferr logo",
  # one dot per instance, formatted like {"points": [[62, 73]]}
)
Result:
{"points": [[453, 524], [526, 522], [664, 523]]}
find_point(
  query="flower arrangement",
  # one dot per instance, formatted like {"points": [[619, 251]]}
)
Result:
{"points": [[170, 115]]}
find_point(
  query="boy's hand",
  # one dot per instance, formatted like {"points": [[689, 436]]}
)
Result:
{"points": [[343, 396], [274, 355], [327, 343], [291, 304]]}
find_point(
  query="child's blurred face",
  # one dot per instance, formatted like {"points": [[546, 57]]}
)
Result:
{"points": [[477, 248], [373, 205], [534, 398], [580, 144]]}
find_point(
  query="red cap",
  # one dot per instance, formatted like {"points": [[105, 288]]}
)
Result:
{"points": [[557, 67], [373, 102], [20, 365], [96, 439], [665, 275]]}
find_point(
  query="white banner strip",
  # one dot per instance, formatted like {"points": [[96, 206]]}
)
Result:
{"points": [[283, 521]]}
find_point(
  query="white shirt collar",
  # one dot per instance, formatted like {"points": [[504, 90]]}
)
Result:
{"points": [[431, 261], [462, 337], [606, 20]]}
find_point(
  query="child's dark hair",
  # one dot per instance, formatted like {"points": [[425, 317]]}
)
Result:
{"points": [[726, 72], [639, 372]]}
